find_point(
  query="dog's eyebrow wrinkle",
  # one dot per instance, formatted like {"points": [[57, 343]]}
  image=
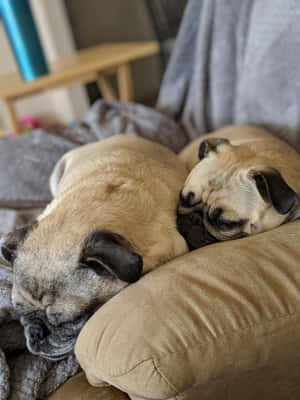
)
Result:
{"points": [[26, 294], [28, 282], [34, 290]]}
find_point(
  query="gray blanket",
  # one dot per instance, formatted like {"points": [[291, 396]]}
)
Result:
{"points": [[234, 62]]}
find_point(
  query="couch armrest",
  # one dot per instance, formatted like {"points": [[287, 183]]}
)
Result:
{"points": [[217, 311], [78, 387]]}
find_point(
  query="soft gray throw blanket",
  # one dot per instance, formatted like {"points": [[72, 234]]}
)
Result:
{"points": [[234, 62]]}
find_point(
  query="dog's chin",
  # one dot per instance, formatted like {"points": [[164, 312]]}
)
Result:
{"points": [[51, 352]]}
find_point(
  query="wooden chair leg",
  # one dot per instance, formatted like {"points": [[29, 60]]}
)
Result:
{"points": [[125, 83], [15, 126], [106, 88]]}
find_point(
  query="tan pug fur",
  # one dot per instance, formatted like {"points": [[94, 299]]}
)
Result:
{"points": [[124, 185], [237, 181]]}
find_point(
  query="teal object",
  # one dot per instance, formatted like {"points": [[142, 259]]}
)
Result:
{"points": [[24, 39]]}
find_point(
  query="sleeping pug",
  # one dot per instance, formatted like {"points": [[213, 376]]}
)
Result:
{"points": [[113, 218], [242, 181]]}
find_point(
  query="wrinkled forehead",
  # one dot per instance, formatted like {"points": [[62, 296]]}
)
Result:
{"points": [[37, 285], [210, 172], [227, 188], [40, 273], [223, 163], [40, 254]]}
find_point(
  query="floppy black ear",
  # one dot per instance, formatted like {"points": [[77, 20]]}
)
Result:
{"points": [[274, 189], [209, 145], [11, 242], [108, 252]]}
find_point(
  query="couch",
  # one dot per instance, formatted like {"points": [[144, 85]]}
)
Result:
{"points": [[221, 322]]}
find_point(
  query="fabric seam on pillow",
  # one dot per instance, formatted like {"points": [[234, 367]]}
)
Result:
{"points": [[164, 377]]}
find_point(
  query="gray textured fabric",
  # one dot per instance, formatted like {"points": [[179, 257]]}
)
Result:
{"points": [[25, 163], [11, 218], [236, 62], [107, 118]]}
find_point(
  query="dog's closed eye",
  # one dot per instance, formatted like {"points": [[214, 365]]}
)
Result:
{"points": [[226, 225], [219, 222]]}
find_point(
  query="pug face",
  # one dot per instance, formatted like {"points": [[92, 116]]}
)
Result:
{"points": [[56, 291], [230, 194]]}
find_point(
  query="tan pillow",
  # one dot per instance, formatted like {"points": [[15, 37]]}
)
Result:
{"points": [[220, 310]]}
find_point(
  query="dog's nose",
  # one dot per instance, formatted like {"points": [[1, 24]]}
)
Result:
{"points": [[186, 200], [55, 318]]}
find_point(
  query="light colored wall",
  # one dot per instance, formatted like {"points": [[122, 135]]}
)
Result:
{"points": [[62, 105], [101, 21], [7, 63]]}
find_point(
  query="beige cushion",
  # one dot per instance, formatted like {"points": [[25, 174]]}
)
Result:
{"points": [[222, 310]]}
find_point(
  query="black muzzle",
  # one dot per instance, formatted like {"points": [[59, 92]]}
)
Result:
{"points": [[192, 228]]}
